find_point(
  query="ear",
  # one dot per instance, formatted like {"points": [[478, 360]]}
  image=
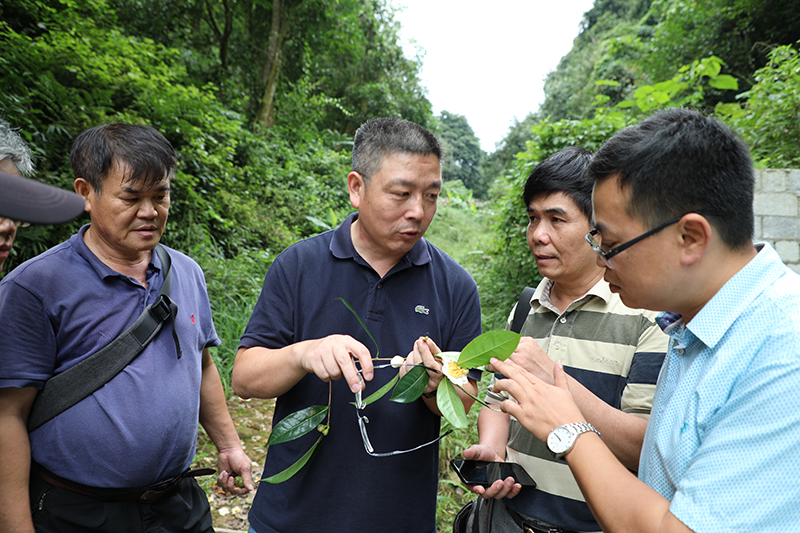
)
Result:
{"points": [[85, 189], [695, 234], [356, 187]]}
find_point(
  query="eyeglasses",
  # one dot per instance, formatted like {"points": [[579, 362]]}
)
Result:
{"points": [[606, 256], [363, 421]]}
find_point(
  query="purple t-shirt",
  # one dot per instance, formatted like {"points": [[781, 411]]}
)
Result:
{"points": [[139, 428]]}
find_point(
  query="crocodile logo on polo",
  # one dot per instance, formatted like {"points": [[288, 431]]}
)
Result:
{"points": [[421, 309]]}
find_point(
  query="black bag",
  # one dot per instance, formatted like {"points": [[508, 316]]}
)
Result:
{"points": [[475, 517]]}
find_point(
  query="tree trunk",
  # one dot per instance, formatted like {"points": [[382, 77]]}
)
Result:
{"points": [[265, 116]]}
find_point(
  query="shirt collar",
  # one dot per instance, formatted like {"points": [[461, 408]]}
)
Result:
{"points": [[542, 293], [342, 246], [103, 270], [736, 295]]}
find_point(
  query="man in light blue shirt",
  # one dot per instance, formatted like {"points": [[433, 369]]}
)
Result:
{"points": [[673, 206]]}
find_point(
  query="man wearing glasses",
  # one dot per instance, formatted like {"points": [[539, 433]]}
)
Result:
{"points": [[377, 468], [673, 203], [613, 354]]}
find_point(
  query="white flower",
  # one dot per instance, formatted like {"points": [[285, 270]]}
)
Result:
{"points": [[397, 361], [450, 368]]}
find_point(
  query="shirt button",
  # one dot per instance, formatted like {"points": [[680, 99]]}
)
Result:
{"points": [[679, 351], [563, 320], [380, 285], [558, 346]]}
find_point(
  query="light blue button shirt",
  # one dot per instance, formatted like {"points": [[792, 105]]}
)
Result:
{"points": [[723, 442]]}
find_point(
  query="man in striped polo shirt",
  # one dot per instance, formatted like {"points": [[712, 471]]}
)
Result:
{"points": [[612, 354]]}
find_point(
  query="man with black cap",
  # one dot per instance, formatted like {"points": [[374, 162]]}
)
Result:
{"points": [[24, 200]]}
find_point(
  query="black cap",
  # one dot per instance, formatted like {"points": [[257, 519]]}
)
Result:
{"points": [[30, 201]]}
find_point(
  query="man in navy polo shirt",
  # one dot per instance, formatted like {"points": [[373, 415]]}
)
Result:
{"points": [[300, 337], [95, 467]]}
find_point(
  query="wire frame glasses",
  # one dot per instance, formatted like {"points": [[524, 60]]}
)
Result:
{"points": [[363, 421]]}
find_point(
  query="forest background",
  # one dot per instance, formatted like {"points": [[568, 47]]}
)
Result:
{"points": [[261, 99]]}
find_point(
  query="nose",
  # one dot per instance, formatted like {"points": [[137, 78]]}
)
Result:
{"points": [[147, 209], [537, 232], [414, 208]]}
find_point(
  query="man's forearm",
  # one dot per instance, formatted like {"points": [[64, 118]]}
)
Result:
{"points": [[623, 433], [493, 430], [15, 510]]}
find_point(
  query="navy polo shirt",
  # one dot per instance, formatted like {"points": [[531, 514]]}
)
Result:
{"points": [[343, 489], [141, 427]]}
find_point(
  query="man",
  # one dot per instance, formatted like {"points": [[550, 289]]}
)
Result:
{"points": [[24, 200], [613, 354], [300, 337], [95, 467], [673, 202]]}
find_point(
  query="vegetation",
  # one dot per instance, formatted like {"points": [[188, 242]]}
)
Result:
{"points": [[260, 99]]}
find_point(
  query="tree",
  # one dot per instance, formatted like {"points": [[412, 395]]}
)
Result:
{"points": [[463, 155]]}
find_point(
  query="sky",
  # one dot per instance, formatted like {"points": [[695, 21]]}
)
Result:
{"points": [[488, 60]]}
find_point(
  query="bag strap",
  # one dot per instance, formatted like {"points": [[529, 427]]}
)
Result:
{"points": [[523, 307], [66, 389]]}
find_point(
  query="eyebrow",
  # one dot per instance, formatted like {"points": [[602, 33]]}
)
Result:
{"points": [[406, 183], [552, 210], [131, 190]]}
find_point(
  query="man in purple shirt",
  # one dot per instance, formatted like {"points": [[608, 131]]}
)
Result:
{"points": [[97, 466]]}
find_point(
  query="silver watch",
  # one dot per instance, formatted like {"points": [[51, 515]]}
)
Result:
{"points": [[561, 439]]}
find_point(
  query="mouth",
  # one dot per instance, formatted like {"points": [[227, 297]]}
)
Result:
{"points": [[410, 234], [146, 231]]}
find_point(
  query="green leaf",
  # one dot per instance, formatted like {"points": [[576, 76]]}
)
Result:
{"points": [[377, 348], [411, 385], [280, 477], [382, 391], [297, 424], [499, 344], [450, 404], [724, 81]]}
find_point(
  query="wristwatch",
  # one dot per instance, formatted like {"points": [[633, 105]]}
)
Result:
{"points": [[561, 439]]}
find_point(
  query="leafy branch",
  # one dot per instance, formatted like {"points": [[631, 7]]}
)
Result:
{"points": [[405, 389]]}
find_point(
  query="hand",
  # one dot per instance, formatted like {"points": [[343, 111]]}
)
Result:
{"points": [[233, 463], [502, 488], [334, 356], [539, 407], [530, 356], [424, 353]]}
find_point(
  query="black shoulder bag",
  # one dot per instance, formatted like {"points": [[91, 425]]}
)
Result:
{"points": [[66, 389]]}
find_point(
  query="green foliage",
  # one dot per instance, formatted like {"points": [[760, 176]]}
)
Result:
{"points": [[464, 158], [770, 118], [298, 424]]}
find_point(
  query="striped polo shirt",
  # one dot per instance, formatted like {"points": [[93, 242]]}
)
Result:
{"points": [[615, 352]]}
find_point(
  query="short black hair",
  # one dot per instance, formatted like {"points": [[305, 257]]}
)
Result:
{"points": [[145, 155], [381, 137], [562, 172], [677, 162]]}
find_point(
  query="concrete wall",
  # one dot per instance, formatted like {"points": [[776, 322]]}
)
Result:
{"points": [[777, 210]]}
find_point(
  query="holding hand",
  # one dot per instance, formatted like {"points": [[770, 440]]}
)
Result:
{"points": [[334, 357], [424, 352], [539, 406], [233, 463], [502, 488], [530, 356]]}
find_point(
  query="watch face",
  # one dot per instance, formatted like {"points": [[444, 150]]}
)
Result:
{"points": [[560, 440]]}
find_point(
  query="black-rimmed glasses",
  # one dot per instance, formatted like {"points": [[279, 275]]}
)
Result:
{"points": [[363, 421], [606, 256]]}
